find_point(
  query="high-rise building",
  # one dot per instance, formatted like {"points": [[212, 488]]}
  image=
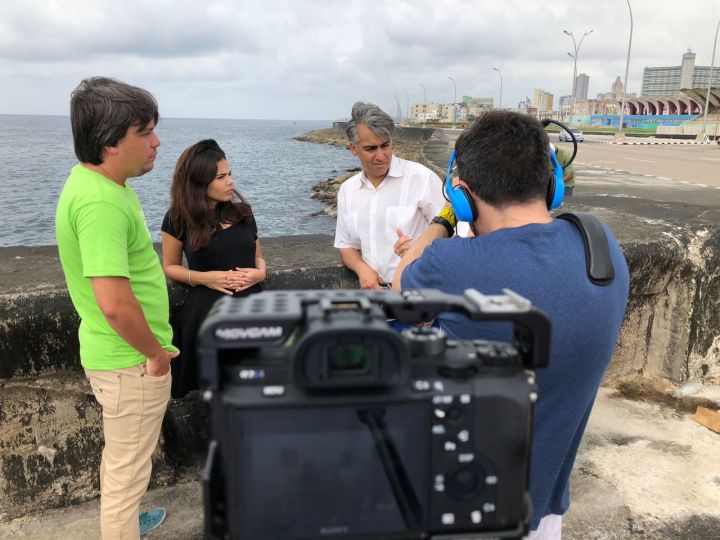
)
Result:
{"points": [[582, 82], [617, 87], [686, 69], [659, 81], [542, 101]]}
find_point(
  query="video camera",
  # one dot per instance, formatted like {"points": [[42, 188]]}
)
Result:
{"points": [[328, 424]]}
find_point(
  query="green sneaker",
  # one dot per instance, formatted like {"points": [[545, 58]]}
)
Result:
{"points": [[151, 519]]}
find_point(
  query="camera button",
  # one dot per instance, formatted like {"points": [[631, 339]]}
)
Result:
{"points": [[455, 415], [466, 458], [476, 516], [463, 436], [439, 413], [465, 482], [421, 385], [450, 446], [273, 391], [448, 519]]}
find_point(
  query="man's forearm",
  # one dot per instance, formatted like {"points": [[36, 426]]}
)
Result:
{"points": [[433, 232], [124, 314], [353, 260], [131, 325]]}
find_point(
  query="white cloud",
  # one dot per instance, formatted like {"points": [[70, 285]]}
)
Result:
{"points": [[313, 59]]}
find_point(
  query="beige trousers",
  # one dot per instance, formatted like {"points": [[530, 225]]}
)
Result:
{"points": [[133, 406]]}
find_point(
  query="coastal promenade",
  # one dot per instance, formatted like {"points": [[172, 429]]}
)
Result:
{"points": [[645, 470]]}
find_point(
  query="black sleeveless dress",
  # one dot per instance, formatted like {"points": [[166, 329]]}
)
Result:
{"points": [[228, 249]]}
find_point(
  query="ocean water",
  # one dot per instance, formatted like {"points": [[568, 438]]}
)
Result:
{"points": [[273, 171]]}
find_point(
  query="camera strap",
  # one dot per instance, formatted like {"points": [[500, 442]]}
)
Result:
{"points": [[598, 262]]}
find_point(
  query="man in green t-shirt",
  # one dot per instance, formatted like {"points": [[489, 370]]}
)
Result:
{"points": [[563, 156], [118, 288]]}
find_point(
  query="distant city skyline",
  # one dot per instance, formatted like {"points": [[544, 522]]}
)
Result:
{"points": [[283, 59]]}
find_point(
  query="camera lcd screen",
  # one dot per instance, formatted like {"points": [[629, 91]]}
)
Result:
{"points": [[318, 472]]}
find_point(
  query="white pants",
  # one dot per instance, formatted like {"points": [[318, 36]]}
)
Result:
{"points": [[549, 528]]}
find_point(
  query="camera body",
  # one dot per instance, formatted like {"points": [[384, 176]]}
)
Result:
{"points": [[327, 423]]}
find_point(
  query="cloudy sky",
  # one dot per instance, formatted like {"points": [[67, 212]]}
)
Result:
{"points": [[302, 59]]}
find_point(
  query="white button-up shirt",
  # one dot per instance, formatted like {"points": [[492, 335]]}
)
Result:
{"points": [[368, 217]]}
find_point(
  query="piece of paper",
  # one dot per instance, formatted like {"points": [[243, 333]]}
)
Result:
{"points": [[708, 418]]}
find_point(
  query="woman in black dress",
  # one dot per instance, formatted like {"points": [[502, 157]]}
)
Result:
{"points": [[214, 227]]}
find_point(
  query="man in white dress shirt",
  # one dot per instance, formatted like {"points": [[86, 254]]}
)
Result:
{"points": [[383, 207]]}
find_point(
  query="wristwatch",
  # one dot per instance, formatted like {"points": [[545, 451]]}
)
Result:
{"points": [[445, 223]]}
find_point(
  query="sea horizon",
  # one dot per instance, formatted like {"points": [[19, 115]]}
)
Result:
{"points": [[196, 118], [272, 170]]}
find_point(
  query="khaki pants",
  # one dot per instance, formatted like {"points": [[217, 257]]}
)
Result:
{"points": [[133, 406]]}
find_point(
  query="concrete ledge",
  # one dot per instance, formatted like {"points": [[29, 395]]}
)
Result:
{"points": [[51, 438]]}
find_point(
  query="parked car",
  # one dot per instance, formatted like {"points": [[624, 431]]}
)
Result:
{"points": [[565, 136]]}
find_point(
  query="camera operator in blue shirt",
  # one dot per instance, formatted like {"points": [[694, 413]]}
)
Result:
{"points": [[505, 169]]}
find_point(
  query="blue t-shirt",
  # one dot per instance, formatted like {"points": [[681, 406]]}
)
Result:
{"points": [[545, 263]]}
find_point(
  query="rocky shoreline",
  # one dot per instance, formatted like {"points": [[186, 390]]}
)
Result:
{"points": [[326, 190]]}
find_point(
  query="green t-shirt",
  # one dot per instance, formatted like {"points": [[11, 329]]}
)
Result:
{"points": [[563, 156], [101, 232]]}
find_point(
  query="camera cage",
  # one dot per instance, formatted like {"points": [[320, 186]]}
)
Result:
{"points": [[271, 318]]}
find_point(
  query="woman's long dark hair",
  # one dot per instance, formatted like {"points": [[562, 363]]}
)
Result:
{"points": [[190, 207]]}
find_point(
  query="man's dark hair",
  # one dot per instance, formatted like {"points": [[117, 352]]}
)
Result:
{"points": [[102, 110], [504, 157]]}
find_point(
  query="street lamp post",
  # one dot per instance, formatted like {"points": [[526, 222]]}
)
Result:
{"points": [[707, 96], [620, 136], [498, 71], [576, 47], [407, 104], [454, 100], [396, 97], [424, 97]]}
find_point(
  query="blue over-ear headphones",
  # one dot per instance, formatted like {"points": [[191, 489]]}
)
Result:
{"points": [[462, 202], [556, 187], [459, 197]]}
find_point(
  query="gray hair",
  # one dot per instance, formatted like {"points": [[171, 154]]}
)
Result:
{"points": [[102, 110], [373, 117]]}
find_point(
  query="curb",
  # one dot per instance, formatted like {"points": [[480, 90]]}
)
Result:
{"points": [[646, 143]]}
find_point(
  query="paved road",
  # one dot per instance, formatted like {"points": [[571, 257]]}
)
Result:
{"points": [[695, 164]]}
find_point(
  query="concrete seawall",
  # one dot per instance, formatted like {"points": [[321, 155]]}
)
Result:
{"points": [[51, 437]]}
